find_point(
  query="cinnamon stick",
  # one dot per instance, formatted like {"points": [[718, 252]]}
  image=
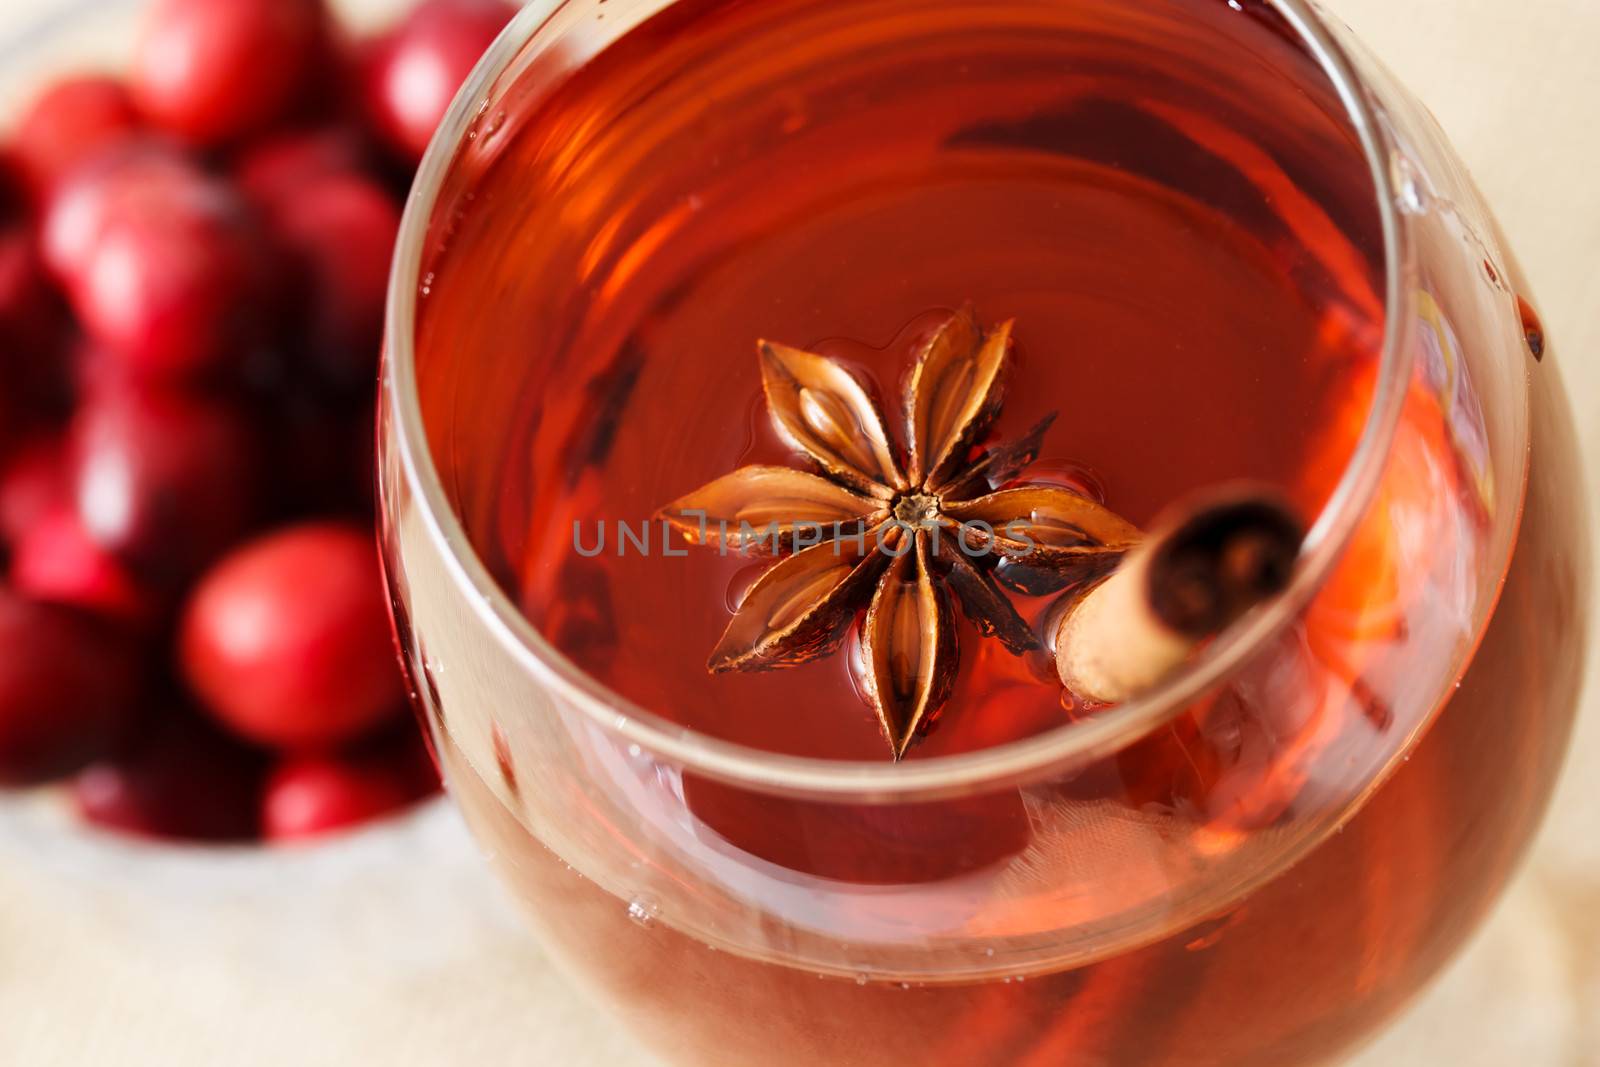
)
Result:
{"points": [[1205, 566]]}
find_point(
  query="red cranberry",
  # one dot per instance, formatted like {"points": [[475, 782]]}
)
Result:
{"points": [[68, 689], [55, 561], [69, 123], [211, 71], [414, 74], [181, 780], [275, 167], [340, 231], [287, 640], [33, 483], [76, 212], [171, 281], [165, 481], [312, 795], [162, 262]]}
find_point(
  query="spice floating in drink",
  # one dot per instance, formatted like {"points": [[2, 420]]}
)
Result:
{"points": [[897, 537], [1202, 570]]}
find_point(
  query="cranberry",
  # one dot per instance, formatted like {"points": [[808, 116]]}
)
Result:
{"points": [[182, 780], [275, 167], [76, 212], [170, 282], [164, 480], [68, 689], [33, 483], [312, 795], [340, 231], [56, 561], [287, 640], [212, 71], [69, 123], [414, 74], [162, 262]]}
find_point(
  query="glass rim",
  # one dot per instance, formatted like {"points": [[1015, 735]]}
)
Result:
{"points": [[1018, 762]]}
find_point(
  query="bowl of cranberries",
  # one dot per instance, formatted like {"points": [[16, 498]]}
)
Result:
{"points": [[195, 235]]}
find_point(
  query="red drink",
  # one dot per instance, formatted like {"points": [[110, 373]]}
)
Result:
{"points": [[1191, 317], [1176, 209]]}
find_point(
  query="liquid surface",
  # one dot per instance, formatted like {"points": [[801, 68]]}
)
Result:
{"points": [[1190, 305]]}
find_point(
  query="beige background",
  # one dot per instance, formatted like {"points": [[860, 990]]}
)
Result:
{"points": [[394, 948]]}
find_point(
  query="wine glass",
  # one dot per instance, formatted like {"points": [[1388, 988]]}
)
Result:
{"points": [[1261, 859]]}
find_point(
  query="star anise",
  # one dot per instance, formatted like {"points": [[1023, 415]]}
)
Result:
{"points": [[895, 531]]}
